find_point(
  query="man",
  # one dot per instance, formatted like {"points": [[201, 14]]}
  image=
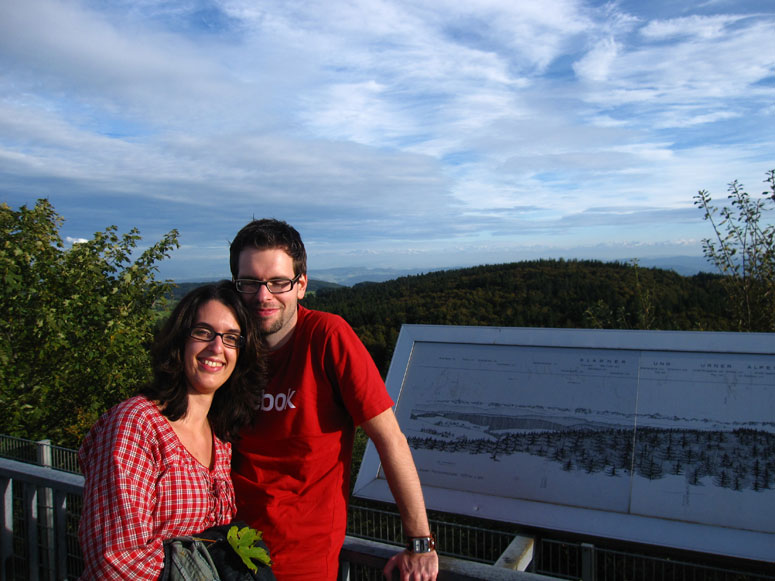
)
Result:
{"points": [[291, 470]]}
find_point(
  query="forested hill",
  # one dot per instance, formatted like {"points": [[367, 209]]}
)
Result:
{"points": [[543, 293]]}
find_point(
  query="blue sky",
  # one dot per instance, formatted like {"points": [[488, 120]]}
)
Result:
{"points": [[401, 134]]}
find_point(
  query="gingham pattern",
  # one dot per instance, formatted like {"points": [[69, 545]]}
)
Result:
{"points": [[142, 487]]}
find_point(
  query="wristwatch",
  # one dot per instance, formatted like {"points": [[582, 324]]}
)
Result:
{"points": [[422, 544]]}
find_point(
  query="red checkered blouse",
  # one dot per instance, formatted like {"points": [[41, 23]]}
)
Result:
{"points": [[142, 487]]}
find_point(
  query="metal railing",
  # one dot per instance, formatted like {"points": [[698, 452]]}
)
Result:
{"points": [[363, 560], [469, 542], [590, 563], [41, 452], [40, 512], [42, 502], [561, 558]]}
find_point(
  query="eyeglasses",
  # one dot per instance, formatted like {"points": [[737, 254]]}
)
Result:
{"points": [[233, 340], [275, 286]]}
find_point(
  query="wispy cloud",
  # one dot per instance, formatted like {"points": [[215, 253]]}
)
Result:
{"points": [[380, 126]]}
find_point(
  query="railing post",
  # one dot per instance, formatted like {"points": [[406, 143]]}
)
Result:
{"points": [[30, 512], [6, 534], [344, 571], [60, 519], [588, 564], [46, 515]]}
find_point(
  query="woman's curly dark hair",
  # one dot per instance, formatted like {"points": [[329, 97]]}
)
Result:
{"points": [[237, 402]]}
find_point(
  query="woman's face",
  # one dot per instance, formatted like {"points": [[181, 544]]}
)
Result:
{"points": [[208, 364]]}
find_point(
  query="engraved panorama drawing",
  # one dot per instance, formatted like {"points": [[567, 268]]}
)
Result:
{"points": [[666, 426]]}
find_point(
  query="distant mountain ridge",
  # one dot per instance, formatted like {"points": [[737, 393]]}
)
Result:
{"points": [[352, 275]]}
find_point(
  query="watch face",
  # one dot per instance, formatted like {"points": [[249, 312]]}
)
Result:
{"points": [[422, 545]]}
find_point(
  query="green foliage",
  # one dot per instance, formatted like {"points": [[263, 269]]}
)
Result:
{"points": [[542, 293], [743, 250], [601, 316], [243, 541], [75, 323]]}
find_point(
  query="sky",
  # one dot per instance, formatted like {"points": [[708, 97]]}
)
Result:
{"points": [[392, 134]]}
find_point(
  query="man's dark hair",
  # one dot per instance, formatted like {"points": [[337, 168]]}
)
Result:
{"points": [[266, 234], [237, 402]]}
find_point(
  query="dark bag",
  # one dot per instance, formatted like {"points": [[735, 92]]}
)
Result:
{"points": [[208, 556]]}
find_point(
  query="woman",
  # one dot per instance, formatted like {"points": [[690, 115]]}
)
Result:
{"points": [[157, 465]]}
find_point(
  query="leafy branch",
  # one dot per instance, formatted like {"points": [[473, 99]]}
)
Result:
{"points": [[743, 249]]}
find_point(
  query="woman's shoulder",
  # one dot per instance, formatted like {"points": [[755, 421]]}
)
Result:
{"points": [[132, 424], [136, 417], [136, 411], [138, 404]]}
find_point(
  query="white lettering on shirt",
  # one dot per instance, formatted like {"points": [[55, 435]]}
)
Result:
{"points": [[279, 402]]}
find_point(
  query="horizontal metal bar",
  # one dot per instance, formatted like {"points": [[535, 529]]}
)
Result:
{"points": [[375, 555], [41, 476]]}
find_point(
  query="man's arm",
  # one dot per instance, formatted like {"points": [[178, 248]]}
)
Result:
{"points": [[401, 474]]}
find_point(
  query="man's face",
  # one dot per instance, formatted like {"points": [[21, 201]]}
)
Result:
{"points": [[275, 313]]}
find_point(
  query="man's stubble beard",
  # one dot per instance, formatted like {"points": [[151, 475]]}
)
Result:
{"points": [[275, 325]]}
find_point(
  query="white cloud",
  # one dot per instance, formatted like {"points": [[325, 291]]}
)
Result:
{"points": [[596, 64], [693, 68], [96, 61], [683, 117], [382, 125], [703, 27]]}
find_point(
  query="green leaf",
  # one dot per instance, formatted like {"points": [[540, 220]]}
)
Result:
{"points": [[243, 542]]}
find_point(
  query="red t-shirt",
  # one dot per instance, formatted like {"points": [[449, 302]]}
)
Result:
{"points": [[291, 471]]}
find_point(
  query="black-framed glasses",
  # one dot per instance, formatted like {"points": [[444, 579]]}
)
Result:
{"points": [[250, 286], [233, 340]]}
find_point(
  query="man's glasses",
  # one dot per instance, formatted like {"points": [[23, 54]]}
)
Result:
{"points": [[275, 286], [233, 340]]}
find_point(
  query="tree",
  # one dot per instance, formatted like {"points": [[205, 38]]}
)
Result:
{"points": [[75, 323], [743, 249]]}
